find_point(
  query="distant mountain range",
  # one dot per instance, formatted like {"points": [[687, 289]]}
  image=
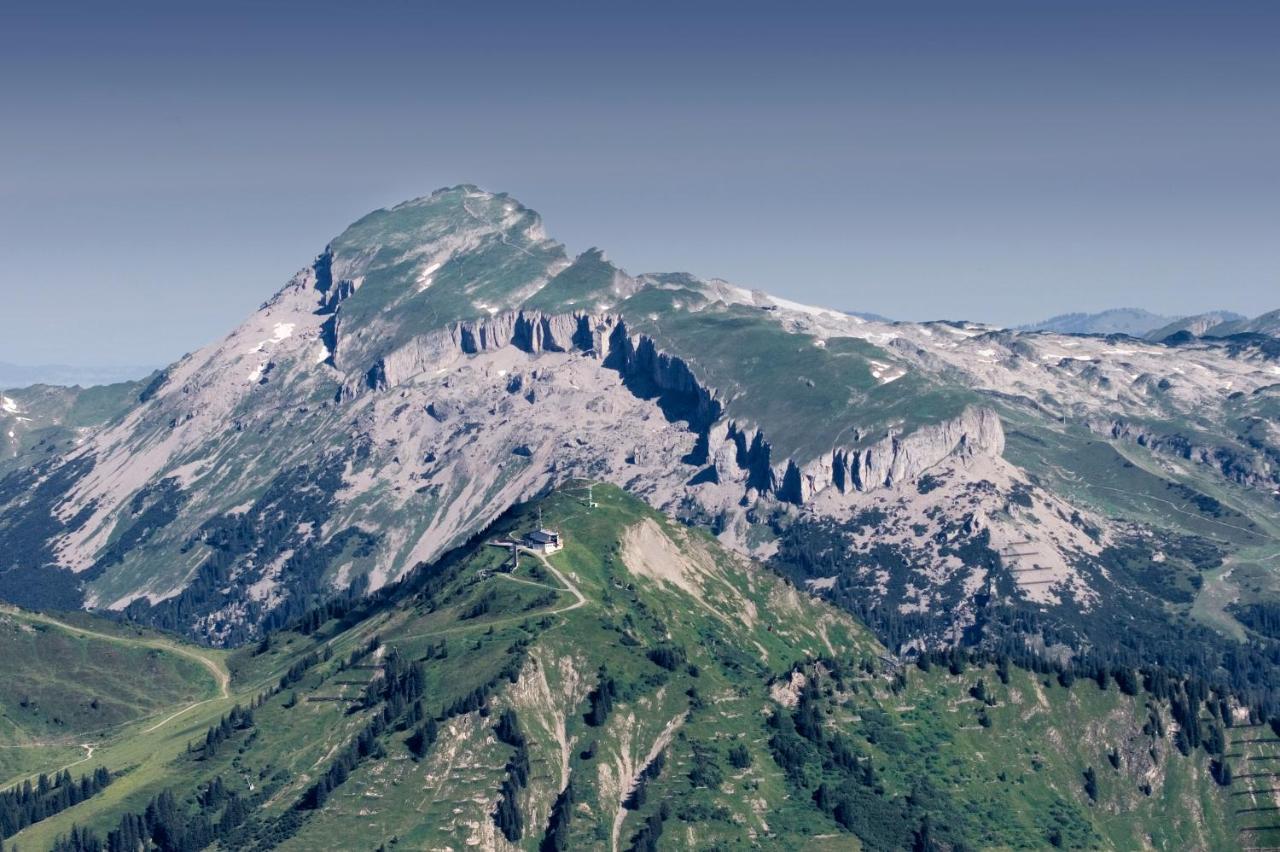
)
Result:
{"points": [[1132, 321], [1137, 322], [23, 375]]}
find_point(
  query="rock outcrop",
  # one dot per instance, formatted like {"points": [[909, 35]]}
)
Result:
{"points": [[737, 452], [892, 460]]}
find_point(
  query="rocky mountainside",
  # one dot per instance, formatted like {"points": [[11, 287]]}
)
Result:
{"points": [[443, 360]]}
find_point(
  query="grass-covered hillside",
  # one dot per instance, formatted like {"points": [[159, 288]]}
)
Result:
{"points": [[69, 686], [641, 689]]}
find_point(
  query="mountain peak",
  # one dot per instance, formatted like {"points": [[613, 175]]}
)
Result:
{"points": [[458, 253], [457, 209]]}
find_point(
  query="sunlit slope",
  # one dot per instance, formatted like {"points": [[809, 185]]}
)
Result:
{"points": [[66, 687], [682, 695]]}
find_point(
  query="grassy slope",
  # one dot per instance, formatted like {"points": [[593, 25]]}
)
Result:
{"points": [[785, 382], [54, 673], [419, 803], [742, 628]]}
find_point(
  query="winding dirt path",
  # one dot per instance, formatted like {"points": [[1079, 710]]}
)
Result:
{"points": [[568, 586], [214, 666], [580, 600]]}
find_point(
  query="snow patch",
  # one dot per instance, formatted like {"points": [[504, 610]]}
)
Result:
{"points": [[802, 308], [281, 331], [427, 276], [8, 405], [885, 373]]}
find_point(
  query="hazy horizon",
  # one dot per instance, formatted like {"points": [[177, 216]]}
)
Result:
{"points": [[169, 167]]}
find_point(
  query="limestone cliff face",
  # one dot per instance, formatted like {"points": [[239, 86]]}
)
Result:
{"points": [[903, 458], [894, 459], [531, 332], [736, 452]]}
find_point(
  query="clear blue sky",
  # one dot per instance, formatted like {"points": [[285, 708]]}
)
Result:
{"points": [[165, 167]]}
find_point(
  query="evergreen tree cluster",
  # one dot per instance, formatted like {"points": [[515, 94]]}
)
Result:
{"points": [[296, 499], [1187, 695], [167, 825], [1091, 784], [557, 837], [296, 671], [239, 719], [400, 692], [401, 685], [480, 606], [30, 803], [1262, 617], [423, 737], [639, 793], [706, 771], [29, 525], [601, 699], [1125, 641], [646, 839], [340, 607], [365, 744], [670, 657], [827, 767], [507, 815], [365, 650], [478, 698]]}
